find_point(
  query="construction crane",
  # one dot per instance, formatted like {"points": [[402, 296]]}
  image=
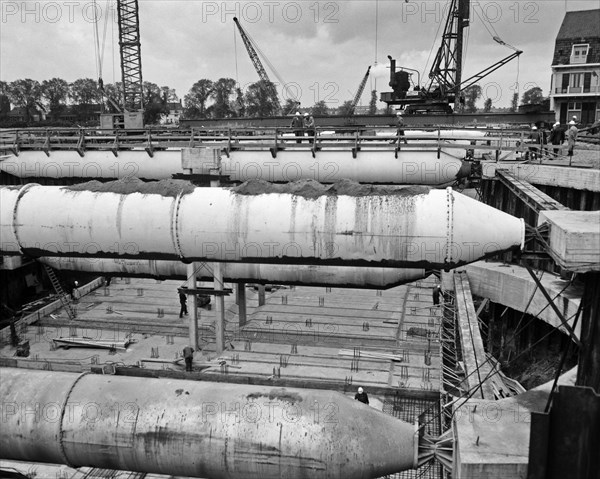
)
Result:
{"points": [[445, 77], [359, 93], [262, 73], [131, 113]]}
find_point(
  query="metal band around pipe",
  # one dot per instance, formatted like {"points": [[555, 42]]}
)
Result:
{"points": [[62, 416], [22, 192], [175, 224]]}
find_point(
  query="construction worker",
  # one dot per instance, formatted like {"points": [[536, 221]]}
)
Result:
{"points": [[572, 136], [361, 396], [535, 143], [436, 294], [297, 125], [188, 355], [183, 303], [557, 137], [74, 286], [399, 129], [309, 126]]}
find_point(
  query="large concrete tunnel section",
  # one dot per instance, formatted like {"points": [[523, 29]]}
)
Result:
{"points": [[307, 275], [411, 165], [197, 429], [300, 223]]}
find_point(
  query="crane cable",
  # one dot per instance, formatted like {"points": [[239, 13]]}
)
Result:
{"points": [[493, 33], [517, 79], [106, 17], [270, 65], [376, 27], [98, 49], [237, 79], [435, 40], [96, 41]]}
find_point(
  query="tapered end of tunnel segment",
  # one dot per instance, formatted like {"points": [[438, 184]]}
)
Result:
{"points": [[481, 229], [377, 444]]}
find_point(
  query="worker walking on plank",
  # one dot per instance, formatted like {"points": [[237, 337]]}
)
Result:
{"points": [[399, 130]]}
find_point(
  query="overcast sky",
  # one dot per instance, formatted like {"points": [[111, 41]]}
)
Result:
{"points": [[321, 48]]}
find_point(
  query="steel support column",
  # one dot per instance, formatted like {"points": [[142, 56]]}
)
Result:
{"points": [[261, 294], [219, 310], [240, 296], [588, 372], [193, 313]]}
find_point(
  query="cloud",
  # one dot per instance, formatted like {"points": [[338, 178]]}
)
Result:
{"points": [[324, 46]]}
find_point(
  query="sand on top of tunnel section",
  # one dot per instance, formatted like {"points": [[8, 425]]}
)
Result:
{"points": [[313, 189], [130, 185]]}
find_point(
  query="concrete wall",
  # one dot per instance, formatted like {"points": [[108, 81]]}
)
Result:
{"points": [[512, 286], [48, 309]]}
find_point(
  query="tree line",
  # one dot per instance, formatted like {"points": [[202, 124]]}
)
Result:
{"points": [[224, 99], [79, 100], [473, 93]]}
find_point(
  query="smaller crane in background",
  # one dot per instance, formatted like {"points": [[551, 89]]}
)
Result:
{"points": [[359, 92]]}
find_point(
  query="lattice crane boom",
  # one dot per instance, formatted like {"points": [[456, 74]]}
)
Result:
{"points": [[131, 57], [258, 66], [359, 92], [446, 71]]}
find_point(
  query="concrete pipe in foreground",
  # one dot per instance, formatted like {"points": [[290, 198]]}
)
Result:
{"points": [[299, 223], [197, 429], [307, 275]]}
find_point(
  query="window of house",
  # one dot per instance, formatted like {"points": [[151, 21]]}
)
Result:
{"points": [[579, 54], [575, 80], [574, 105]]}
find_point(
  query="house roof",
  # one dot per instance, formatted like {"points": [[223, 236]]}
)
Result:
{"points": [[582, 23]]}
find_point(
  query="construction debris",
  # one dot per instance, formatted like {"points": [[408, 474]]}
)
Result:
{"points": [[92, 343], [372, 355]]}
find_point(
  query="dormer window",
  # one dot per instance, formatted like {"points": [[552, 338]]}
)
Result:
{"points": [[579, 53]]}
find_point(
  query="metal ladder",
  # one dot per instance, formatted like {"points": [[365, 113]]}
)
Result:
{"points": [[64, 297]]}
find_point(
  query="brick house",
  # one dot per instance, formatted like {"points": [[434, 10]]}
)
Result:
{"points": [[575, 83]]}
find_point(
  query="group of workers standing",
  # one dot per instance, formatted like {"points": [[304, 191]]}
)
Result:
{"points": [[304, 125], [540, 138]]}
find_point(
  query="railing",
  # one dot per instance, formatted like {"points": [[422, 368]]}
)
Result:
{"points": [[259, 139]]}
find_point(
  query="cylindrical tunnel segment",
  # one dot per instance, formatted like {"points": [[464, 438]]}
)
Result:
{"points": [[197, 429], [308, 275], [416, 166], [398, 227]]}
